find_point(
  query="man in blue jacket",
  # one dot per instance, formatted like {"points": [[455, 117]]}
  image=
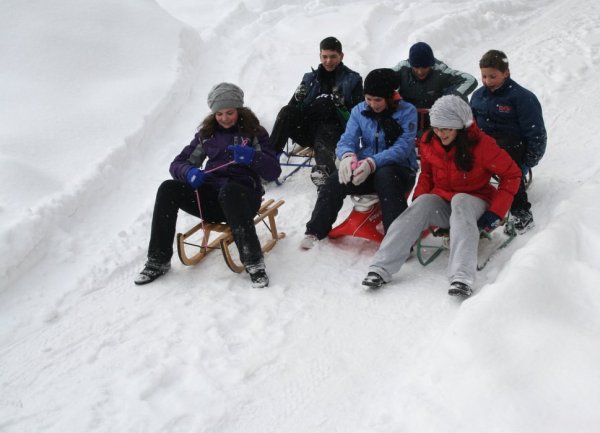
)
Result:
{"points": [[513, 116], [316, 114]]}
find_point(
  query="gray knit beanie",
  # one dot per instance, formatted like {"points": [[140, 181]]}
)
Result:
{"points": [[225, 95], [450, 112]]}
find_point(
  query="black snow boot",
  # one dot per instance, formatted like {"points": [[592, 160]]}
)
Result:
{"points": [[258, 275], [151, 272], [373, 281], [459, 289]]}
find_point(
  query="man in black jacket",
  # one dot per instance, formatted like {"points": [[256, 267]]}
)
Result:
{"points": [[424, 79], [316, 114]]}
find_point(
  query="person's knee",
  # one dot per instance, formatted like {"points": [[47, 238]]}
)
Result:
{"points": [[287, 112], [169, 188], [232, 192], [392, 177], [332, 187]]}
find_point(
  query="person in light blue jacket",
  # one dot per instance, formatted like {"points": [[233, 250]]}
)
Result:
{"points": [[376, 155]]}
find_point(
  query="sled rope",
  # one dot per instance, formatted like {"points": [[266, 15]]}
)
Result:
{"points": [[198, 200], [200, 214]]}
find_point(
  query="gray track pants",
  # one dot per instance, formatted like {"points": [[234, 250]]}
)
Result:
{"points": [[460, 215]]}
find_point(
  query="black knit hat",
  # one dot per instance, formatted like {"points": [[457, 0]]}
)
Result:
{"points": [[421, 55], [381, 82]]}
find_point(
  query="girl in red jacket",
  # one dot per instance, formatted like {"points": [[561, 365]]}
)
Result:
{"points": [[453, 191]]}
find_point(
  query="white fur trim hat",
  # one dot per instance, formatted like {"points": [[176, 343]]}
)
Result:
{"points": [[225, 95], [450, 112]]}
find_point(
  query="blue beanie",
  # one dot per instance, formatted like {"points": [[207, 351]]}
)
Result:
{"points": [[421, 55]]}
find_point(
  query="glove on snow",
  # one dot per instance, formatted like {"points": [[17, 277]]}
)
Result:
{"points": [[488, 221], [242, 155], [364, 168], [347, 166], [195, 177]]}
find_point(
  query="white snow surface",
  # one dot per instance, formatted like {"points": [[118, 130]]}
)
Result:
{"points": [[99, 96]]}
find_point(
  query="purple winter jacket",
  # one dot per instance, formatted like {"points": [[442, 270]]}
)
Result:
{"points": [[264, 164]]}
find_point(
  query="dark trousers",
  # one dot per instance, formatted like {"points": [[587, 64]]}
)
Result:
{"points": [[234, 204], [317, 125], [516, 149], [391, 183]]}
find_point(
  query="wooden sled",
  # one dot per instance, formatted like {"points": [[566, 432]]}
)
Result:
{"points": [[268, 211]]}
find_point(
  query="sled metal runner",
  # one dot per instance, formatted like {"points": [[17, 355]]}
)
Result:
{"points": [[429, 250], [266, 214], [291, 156]]}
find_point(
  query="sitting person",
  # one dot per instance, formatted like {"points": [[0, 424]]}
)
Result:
{"points": [[453, 191], [316, 114], [228, 189], [513, 116], [377, 155], [424, 79]]}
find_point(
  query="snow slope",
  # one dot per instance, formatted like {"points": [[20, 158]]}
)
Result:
{"points": [[98, 98]]}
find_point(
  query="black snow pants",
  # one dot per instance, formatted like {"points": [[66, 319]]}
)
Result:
{"points": [[233, 203], [317, 125], [392, 183], [516, 149]]}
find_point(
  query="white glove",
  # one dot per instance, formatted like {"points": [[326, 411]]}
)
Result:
{"points": [[347, 166], [364, 168]]}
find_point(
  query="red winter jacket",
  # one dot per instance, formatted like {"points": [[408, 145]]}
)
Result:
{"points": [[440, 176]]}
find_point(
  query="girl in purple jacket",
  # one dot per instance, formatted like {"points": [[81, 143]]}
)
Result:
{"points": [[236, 153]]}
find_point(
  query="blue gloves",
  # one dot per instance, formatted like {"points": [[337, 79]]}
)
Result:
{"points": [[242, 155], [195, 177], [488, 221]]}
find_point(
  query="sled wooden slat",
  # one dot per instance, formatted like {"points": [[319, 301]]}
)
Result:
{"points": [[268, 211]]}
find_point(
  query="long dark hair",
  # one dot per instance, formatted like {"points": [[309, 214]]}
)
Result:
{"points": [[463, 158], [248, 124]]}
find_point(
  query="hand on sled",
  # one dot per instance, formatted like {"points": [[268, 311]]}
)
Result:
{"points": [[488, 221]]}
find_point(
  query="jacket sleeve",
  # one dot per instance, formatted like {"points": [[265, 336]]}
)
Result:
{"points": [[357, 94], [404, 145], [425, 181], [400, 65], [348, 142], [460, 83], [181, 164], [265, 161], [531, 123], [499, 162]]}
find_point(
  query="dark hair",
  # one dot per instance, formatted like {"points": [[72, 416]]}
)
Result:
{"points": [[247, 123], [463, 158], [494, 59], [392, 104], [331, 43]]}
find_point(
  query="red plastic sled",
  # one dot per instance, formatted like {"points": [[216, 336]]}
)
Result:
{"points": [[363, 221]]}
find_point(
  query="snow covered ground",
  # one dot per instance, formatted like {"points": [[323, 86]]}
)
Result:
{"points": [[99, 96]]}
